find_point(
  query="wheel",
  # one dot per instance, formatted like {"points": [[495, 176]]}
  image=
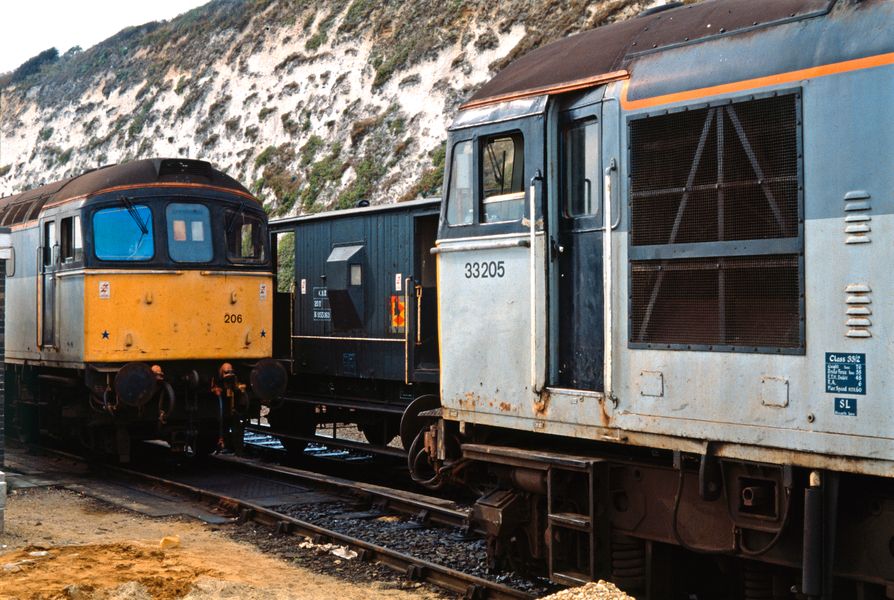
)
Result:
{"points": [[293, 419], [411, 423], [381, 431]]}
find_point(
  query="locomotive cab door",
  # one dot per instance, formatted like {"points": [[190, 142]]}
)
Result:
{"points": [[48, 262], [578, 255]]}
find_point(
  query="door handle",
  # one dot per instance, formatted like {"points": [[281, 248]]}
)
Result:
{"points": [[418, 315]]}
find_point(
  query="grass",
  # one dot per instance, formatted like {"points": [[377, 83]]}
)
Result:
{"points": [[266, 155], [310, 149], [139, 120], [321, 174], [431, 180]]}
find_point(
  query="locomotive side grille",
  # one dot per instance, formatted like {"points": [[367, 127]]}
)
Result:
{"points": [[716, 226], [739, 302], [712, 174]]}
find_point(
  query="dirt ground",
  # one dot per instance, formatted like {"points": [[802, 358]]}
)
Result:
{"points": [[59, 544]]}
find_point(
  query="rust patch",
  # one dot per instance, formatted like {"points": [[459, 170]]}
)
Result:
{"points": [[542, 406], [469, 401], [603, 414], [505, 406]]}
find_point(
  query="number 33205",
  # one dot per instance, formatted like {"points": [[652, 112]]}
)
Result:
{"points": [[485, 270]]}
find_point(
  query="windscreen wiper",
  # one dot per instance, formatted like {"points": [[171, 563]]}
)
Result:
{"points": [[235, 216], [135, 215]]}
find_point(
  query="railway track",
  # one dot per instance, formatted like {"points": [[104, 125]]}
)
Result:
{"points": [[423, 508], [433, 511], [415, 568]]}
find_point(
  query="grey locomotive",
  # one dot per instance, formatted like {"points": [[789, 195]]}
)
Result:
{"points": [[662, 259]]}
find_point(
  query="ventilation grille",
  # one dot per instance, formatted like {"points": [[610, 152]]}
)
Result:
{"points": [[715, 227], [859, 310], [748, 302], [176, 166], [716, 174], [857, 218]]}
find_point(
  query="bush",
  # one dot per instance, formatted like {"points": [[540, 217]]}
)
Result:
{"points": [[429, 184], [33, 65]]}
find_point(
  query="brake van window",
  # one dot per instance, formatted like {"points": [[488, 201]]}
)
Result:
{"points": [[123, 233], [189, 233], [245, 237], [502, 179]]}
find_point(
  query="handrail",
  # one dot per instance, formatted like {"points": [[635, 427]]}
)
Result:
{"points": [[533, 276], [486, 245]]}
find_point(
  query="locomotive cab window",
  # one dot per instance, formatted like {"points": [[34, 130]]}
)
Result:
{"points": [[71, 241], [460, 199], [189, 233], [502, 163], [245, 237], [581, 147], [123, 233], [49, 243]]}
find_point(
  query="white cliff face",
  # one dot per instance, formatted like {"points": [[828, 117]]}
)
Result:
{"points": [[312, 105]]}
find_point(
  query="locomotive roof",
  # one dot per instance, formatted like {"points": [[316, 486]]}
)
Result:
{"points": [[147, 172], [603, 54]]}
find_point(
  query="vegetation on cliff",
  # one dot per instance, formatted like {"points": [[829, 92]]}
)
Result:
{"points": [[314, 104]]}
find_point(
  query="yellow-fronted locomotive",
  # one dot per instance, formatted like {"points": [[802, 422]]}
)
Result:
{"points": [[137, 305]]}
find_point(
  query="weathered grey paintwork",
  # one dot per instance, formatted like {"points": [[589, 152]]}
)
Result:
{"points": [[22, 343], [755, 406]]}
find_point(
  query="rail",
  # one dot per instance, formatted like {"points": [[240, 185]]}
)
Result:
{"points": [[414, 568]]}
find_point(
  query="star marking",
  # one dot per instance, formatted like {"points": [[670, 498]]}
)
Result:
{"points": [[263, 333], [105, 335]]}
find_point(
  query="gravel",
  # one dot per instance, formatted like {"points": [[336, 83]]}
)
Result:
{"points": [[596, 590], [445, 546]]}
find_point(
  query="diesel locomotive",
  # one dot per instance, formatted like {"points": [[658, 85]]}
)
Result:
{"points": [[661, 271], [138, 307]]}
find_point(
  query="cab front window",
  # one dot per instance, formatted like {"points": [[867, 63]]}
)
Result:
{"points": [[189, 233], [245, 237], [123, 233]]}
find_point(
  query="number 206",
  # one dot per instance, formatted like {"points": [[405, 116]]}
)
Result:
{"points": [[485, 270]]}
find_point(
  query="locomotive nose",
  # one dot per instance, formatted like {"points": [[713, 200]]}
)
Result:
{"points": [[269, 379]]}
